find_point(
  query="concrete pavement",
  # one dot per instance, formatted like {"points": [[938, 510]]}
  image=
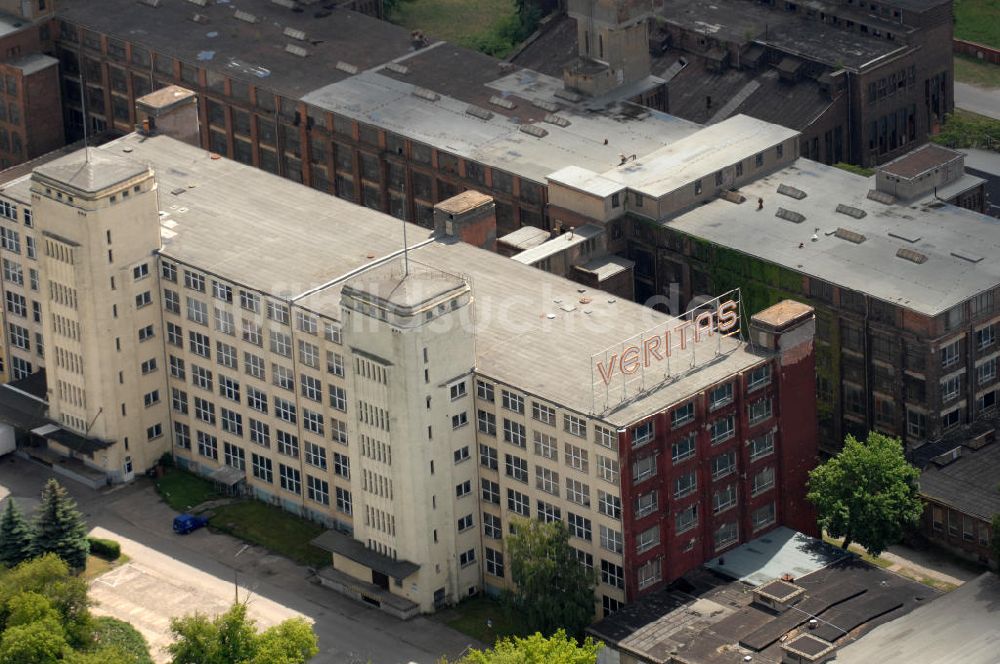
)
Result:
{"points": [[172, 574], [984, 101]]}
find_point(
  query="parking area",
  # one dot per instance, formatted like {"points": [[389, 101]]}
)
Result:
{"points": [[170, 575]]}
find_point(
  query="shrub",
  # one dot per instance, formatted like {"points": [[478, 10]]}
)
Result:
{"points": [[105, 548]]}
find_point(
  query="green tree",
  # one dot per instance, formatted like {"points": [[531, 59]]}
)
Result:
{"points": [[867, 493], [40, 642], [232, 638], [16, 536], [50, 577], [553, 590], [59, 527], [537, 649]]}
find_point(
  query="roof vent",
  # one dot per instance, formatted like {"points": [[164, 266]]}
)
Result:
{"points": [[150, 3], [296, 50], [549, 106], [398, 68], [533, 130], [967, 256], [247, 17], [787, 190], [857, 213], [557, 120], [502, 103], [849, 235], [346, 67], [287, 4], [789, 215], [480, 113], [881, 197], [292, 33], [200, 3], [424, 93], [911, 255]]}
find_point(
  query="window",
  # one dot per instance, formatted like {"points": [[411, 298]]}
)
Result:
{"points": [[182, 435], [463, 489], [723, 465], [512, 402], [950, 354], [256, 399], [13, 272], [547, 513], [487, 422], [574, 425], [20, 337], [759, 411], [208, 446], [261, 467], [344, 501], [543, 413], [762, 446], [643, 468], [577, 492], [338, 431], [252, 333], [194, 281], [201, 377], [10, 240], [308, 354], [224, 322], [642, 434], [149, 366], [576, 457], [723, 429], [171, 301], [154, 431], [288, 444], [985, 337], [311, 388], [291, 480], [461, 454], [758, 160], [547, 480], [647, 539], [723, 499], [335, 363], [491, 491], [987, 371], [457, 390], [720, 396], [226, 355], [494, 562], [605, 437], [612, 574], [697, 187], [725, 535], [467, 558], [312, 421], [317, 490], [484, 390], [950, 388], [492, 527], [516, 468], [518, 503], [280, 343], [234, 456], [685, 484], [282, 377], [204, 410], [682, 415], [609, 505], [916, 424], [465, 522], [686, 519], [762, 517], [284, 410], [611, 540], [338, 398], [199, 344], [260, 433], [460, 420], [17, 304], [763, 481], [607, 469], [229, 388], [488, 457], [545, 445], [951, 419], [250, 301], [306, 322], [168, 271], [222, 291], [514, 433], [683, 448], [277, 312]]}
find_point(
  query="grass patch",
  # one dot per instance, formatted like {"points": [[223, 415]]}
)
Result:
{"points": [[976, 72], [183, 490], [97, 566], [976, 20], [857, 170], [963, 129], [273, 528], [461, 22], [111, 632], [860, 551], [470, 617]]}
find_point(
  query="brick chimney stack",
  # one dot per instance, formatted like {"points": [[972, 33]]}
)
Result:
{"points": [[170, 111]]}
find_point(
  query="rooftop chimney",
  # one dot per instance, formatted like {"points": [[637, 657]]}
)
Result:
{"points": [[170, 111], [470, 216]]}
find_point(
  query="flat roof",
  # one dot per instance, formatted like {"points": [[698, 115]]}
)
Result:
{"points": [[771, 556], [940, 232], [591, 140], [961, 627], [32, 63], [560, 243], [525, 237], [922, 159], [91, 170], [281, 237], [739, 21], [716, 146]]}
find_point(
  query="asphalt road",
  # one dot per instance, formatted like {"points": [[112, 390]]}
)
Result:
{"points": [[984, 101], [173, 575]]}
